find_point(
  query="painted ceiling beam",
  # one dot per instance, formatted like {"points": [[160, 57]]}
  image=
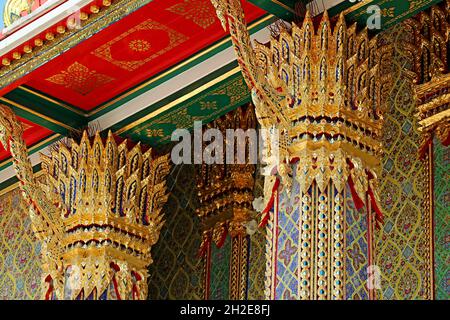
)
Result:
{"points": [[205, 100], [285, 9], [44, 111], [7, 172], [147, 99], [216, 60]]}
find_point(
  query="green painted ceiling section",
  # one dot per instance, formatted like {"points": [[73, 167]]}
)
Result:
{"points": [[392, 11]]}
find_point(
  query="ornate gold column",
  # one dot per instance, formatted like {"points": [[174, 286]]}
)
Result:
{"points": [[322, 88], [97, 214], [226, 195]]}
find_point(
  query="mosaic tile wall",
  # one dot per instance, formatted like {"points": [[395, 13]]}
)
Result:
{"points": [[403, 244], [20, 272], [257, 266], [441, 220], [176, 270], [288, 251]]}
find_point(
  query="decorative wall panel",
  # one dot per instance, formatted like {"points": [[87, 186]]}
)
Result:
{"points": [[257, 266], [176, 271], [20, 264], [403, 244], [441, 158]]}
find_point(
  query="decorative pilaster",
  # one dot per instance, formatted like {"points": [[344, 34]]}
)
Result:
{"points": [[226, 195], [98, 213]]}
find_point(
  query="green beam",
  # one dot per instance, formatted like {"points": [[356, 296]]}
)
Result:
{"points": [[13, 180], [44, 111]]}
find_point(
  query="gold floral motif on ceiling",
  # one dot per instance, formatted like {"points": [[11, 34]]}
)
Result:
{"points": [[200, 12], [26, 126], [80, 79], [139, 45], [142, 51]]}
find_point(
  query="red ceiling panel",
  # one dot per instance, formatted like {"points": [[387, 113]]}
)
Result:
{"points": [[143, 44]]}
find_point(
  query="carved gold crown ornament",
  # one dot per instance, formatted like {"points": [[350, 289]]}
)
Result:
{"points": [[324, 89], [98, 212]]}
